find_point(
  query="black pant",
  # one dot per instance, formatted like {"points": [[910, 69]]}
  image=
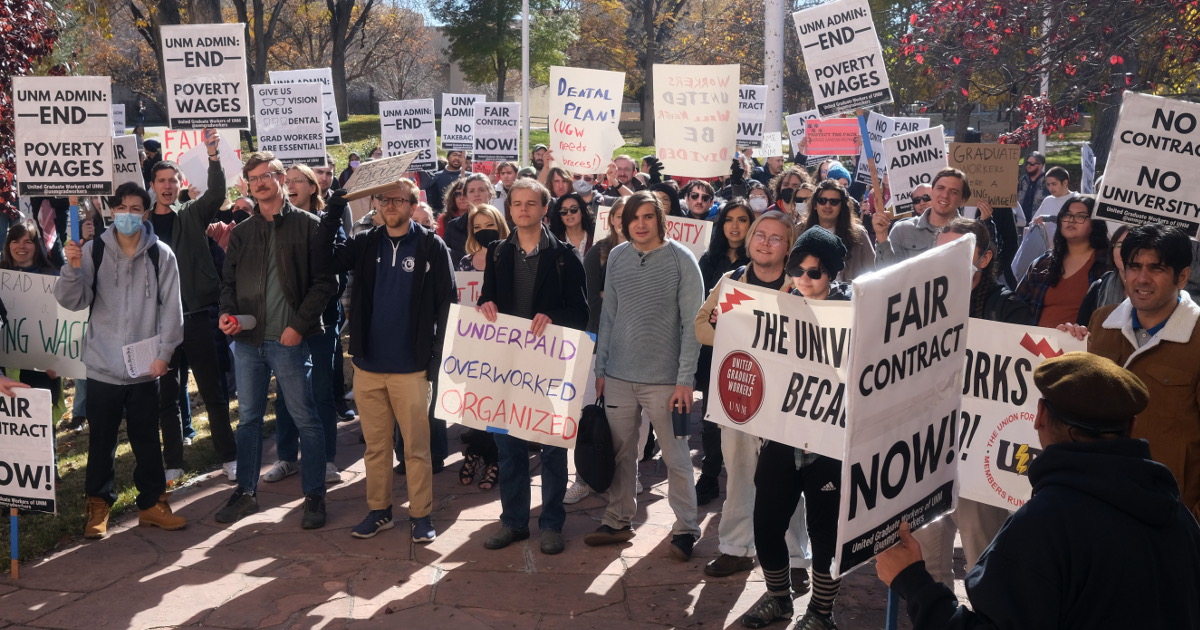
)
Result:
{"points": [[778, 484], [139, 404], [1006, 234], [710, 432], [200, 350]]}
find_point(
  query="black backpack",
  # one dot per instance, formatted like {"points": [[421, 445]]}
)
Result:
{"points": [[595, 456], [98, 257]]}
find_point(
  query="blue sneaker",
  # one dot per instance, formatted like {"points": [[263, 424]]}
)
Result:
{"points": [[376, 521], [422, 530]]}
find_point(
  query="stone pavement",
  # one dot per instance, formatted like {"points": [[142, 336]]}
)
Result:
{"points": [[266, 572]]}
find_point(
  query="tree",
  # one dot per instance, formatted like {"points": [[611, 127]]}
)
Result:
{"points": [[345, 23], [411, 66]]}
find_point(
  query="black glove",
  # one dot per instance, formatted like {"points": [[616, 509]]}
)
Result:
{"points": [[655, 171], [736, 175], [335, 208]]}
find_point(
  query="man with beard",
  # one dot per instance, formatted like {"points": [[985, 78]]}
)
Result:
{"points": [[443, 178]]}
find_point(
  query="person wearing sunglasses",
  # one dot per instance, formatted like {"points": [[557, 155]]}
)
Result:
{"points": [[914, 235], [829, 207], [698, 197], [572, 222], [1031, 187], [1057, 282]]}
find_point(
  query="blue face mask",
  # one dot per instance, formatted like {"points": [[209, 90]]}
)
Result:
{"points": [[127, 223]]}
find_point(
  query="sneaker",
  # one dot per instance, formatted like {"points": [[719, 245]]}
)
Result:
{"points": [[280, 470], [160, 515], [76, 424], [230, 470], [349, 395], [97, 518], [439, 465], [768, 610], [707, 489], [577, 492], [346, 414], [605, 535], [173, 475], [240, 504], [504, 537], [376, 521], [187, 441], [726, 565], [331, 473], [816, 621], [552, 543], [422, 530], [314, 512], [681, 546], [800, 583]]}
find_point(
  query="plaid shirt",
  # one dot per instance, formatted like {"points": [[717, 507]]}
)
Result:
{"points": [[1032, 288]]}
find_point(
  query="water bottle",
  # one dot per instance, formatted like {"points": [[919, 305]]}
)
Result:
{"points": [[248, 322]]}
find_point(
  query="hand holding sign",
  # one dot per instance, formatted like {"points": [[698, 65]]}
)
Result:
{"points": [[212, 140], [899, 557], [73, 251]]}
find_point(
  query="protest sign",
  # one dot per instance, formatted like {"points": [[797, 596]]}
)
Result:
{"points": [[205, 70], [458, 120], [913, 159], [324, 77], [880, 127], [127, 166], [40, 335], [752, 115], [63, 135], [797, 127], [194, 162], [842, 56], [27, 451], [1087, 162], [834, 136], [289, 122], [772, 145], [118, 119], [997, 441], [409, 126], [904, 399], [501, 378], [1148, 177], [788, 383], [585, 114], [693, 234], [992, 170], [497, 131], [470, 283], [694, 113], [377, 175]]}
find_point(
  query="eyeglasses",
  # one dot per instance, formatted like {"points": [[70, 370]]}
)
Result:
{"points": [[923, 199], [774, 240], [828, 201], [1074, 218], [254, 179], [565, 210], [273, 102], [704, 198], [1033, 164], [392, 201], [296, 181], [815, 273]]}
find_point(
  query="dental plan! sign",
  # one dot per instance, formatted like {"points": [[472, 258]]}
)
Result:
{"points": [[695, 113], [497, 131], [842, 56], [289, 122], [27, 451], [63, 135], [205, 70], [458, 120], [501, 378], [323, 77], [40, 335], [408, 126], [585, 111]]}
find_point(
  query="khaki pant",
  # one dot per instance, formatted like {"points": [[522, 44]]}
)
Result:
{"points": [[976, 522], [405, 397]]}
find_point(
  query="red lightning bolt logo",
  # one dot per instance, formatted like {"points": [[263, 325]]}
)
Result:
{"points": [[1039, 348], [732, 299]]}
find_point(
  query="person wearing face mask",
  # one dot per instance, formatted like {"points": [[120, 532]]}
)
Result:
{"points": [[786, 187], [351, 166], [486, 225], [758, 197]]}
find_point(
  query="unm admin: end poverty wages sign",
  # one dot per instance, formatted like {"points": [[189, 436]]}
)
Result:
{"points": [[205, 70], [842, 56], [63, 135]]}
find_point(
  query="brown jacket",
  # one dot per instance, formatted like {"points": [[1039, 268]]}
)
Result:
{"points": [[1169, 364]]}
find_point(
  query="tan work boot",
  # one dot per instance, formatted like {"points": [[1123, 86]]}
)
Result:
{"points": [[160, 515], [97, 518]]}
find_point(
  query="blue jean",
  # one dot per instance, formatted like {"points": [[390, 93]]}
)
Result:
{"points": [[287, 437], [292, 367], [515, 484]]}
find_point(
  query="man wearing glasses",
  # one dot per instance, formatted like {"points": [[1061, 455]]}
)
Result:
{"points": [[698, 196], [1031, 187]]}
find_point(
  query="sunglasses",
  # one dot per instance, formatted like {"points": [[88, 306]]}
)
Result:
{"points": [[923, 199], [828, 201], [704, 198], [815, 273], [569, 210]]}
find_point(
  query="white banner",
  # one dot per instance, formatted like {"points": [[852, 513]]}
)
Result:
{"points": [[797, 125], [843, 57], [500, 377], [289, 122], [585, 111], [127, 165], [752, 115], [788, 383], [63, 135], [323, 76], [458, 120], [1087, 161], [904, 399], [118, 119], [913, 159], [186, 148], [205, 70], [41, 335], [695, 113], [693, 234], [27, 451], [409, 126], [497, 132], [470, 283], [880, 127]]}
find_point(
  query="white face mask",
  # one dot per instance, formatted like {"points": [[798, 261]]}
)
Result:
{"points": [[758, 204]]}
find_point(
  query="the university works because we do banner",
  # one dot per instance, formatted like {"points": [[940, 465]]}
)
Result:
{"points": [[27, 451], [41, 335], [63, 135], [324, 77], [842, 56], [585, 114], [205, 70], [695, 114], [289, 122]]}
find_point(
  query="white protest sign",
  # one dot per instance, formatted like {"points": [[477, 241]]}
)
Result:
{"points": [[289, 122], [497, 132], [63, 135], [41, 335], [695, 113], [585, 111], [127, 166], [205, 70], [878, 128], [913, 159], [27, 451], [378, 175], [458, 121], [470, 283], [409, 126], [842, 56], [797, 125], [501, 378], [194, 162], [752, 115], [779, 367], [118, 119], [772, 145], [1087, 161], [997, 441], [904, 399], [693, 234], [324, 77]]}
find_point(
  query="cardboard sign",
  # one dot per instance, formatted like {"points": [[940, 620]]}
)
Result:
{"points": [[1150, 175], [409, 126], [41, 335], [992, 170], [835, 136], [377, 175], [797, 125], [324, 77], [842, 56], [585, 111], [458, 121], [127, 165], [118, 119], [695, 116], [289, 122], [913, 159], [501, 378], [470, 283], [903, 399], [205, 70], [27, 451], [1087, 162], [63, 135], [693, 234], [878, 128], [497, 131], [779, 367], [752, 115], [772, 144]]}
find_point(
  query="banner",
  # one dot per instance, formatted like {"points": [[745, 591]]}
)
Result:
{"points": [[470, 283], [694, 109], [788, 383], [693, 234], [127, 165], [913, 159], [500, 377], [41, 335], [752, 115], [1087, 162], [458, 119], [880, 127], [63, 135], [118, 119], [992, 170], [1149, 177], [834, 136], [999, 403], [843, 57], [323, 76], [497, 131], [377, 175], [797, 127], [904, 400], [27, 451], [409, 126], [289, 122], [205, 70], [585, 114]]}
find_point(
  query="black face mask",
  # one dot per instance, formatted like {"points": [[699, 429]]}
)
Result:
{"points": [[486, 237], [786, 195]]}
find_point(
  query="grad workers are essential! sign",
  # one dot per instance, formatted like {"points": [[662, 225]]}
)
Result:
{"points": [[585, 111], [324, 77], [63, 135], [497, 132], [695, 110], [289, 122], [27, 451], [408, 126], [205, 69], [500, 377], [842, 56]]}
